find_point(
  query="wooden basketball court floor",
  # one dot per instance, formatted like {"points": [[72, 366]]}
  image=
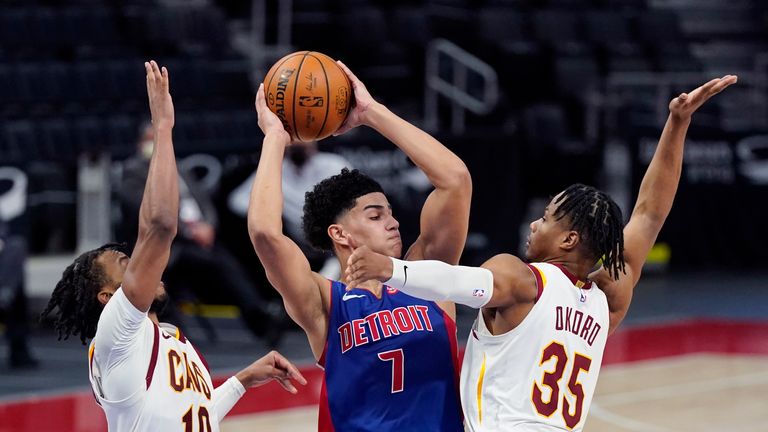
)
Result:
{"points": [[698, 375]]}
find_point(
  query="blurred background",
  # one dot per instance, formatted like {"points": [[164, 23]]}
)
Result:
{"points": [[532, 95]]}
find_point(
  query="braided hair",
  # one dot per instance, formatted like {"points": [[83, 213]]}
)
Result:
{"points": [[330, 199], [598, 220], [75, 295]]}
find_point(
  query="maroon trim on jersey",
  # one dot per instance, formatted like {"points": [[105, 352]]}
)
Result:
{"points": [[450, 328], [324, 421], [321, 360], [202, 359], [90, 371], [539, 282], [587, 284], [153, 357], [182, 339]]}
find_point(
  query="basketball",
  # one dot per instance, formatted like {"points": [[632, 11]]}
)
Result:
{"points": [[310, 94]]}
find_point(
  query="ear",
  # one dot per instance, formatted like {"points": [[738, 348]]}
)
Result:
{"points": [[570, 240], [338, 235], [104, 295]]}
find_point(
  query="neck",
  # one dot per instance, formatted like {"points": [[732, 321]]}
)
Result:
{"points": [[153, 318], [373, 285], [580, 268]]}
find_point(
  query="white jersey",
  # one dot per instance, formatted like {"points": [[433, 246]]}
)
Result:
{"points": [[150, 378], [541, 375]]}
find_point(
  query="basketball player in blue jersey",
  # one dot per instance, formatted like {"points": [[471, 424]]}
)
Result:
{"points": [[535, 350], [390, 359]]}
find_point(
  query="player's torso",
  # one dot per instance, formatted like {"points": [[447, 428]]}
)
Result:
{"points": [[390, 364], [178, 396], [542, 374]]}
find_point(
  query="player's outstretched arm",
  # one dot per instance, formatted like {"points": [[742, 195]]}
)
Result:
{"points": [[286, 266], [502, 281], [656, 195], [159, 211], [272, 366], [445, 216]]}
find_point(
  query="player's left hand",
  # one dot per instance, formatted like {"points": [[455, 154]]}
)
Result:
{"points": [[362, 104], [683, 106], [272, 366], [268, 121], [364, 265]]}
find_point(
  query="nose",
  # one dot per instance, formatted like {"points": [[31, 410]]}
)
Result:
{"points": [[393, 224], [535, 225]]}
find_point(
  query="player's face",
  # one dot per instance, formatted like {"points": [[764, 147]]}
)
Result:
{"points": [[114, 264], [371, 223], [545, 236]]}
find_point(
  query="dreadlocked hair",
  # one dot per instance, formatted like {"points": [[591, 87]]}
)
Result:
{"points": [[598, 220], [74, 297], [329, 199]]}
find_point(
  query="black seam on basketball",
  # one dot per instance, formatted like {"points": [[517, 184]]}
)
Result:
{"points": [[266, 89], [327, 94], [295, 87]]}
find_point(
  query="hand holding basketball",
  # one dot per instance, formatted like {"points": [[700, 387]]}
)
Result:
{"points": [[362, 102], [686, 104], [268, 121]]}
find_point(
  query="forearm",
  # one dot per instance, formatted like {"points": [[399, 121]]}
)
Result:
{"points": [[266, 203], [443, 168], [226, 396], [438, 281], [659, 185], [159, 209]]}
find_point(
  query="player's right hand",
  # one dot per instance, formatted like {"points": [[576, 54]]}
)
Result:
{"points": [[268, 121], [686, 104], [158, 91], [363, 102]]}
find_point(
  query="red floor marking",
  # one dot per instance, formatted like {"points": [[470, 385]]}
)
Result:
{"points": [[77, 412]]}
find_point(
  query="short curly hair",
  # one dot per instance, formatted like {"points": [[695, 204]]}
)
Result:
{"points": [[330, 199]]}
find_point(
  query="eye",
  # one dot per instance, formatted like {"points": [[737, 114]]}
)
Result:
{"points": [[377, 217]]}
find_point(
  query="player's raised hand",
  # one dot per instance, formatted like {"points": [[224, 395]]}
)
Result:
{"points": [[364, 265], [686, 104], [272, 366], [158, 90], [269, 122], [362, 103]]}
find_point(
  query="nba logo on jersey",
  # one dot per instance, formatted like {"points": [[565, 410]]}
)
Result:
{"points": [[391, 290], [478, 293]]}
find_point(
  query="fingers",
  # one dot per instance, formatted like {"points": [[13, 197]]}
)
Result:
{"points": [[261, 101], [289, 368], [346, 70], [287, 385], [723, 83]]}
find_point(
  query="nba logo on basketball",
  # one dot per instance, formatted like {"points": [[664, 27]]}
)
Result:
{"points": [[311, 101]]}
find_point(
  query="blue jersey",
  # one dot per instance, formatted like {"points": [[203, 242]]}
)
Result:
{"points": [[390, 364]]}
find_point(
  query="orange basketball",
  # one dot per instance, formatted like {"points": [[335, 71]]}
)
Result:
{"points": [[309, 93]]}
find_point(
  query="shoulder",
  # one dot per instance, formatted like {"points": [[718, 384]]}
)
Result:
{"points": [[513, 278]]}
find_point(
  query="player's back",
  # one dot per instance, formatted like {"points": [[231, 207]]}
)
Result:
{"points": [[542, 374], [390, 364]]}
